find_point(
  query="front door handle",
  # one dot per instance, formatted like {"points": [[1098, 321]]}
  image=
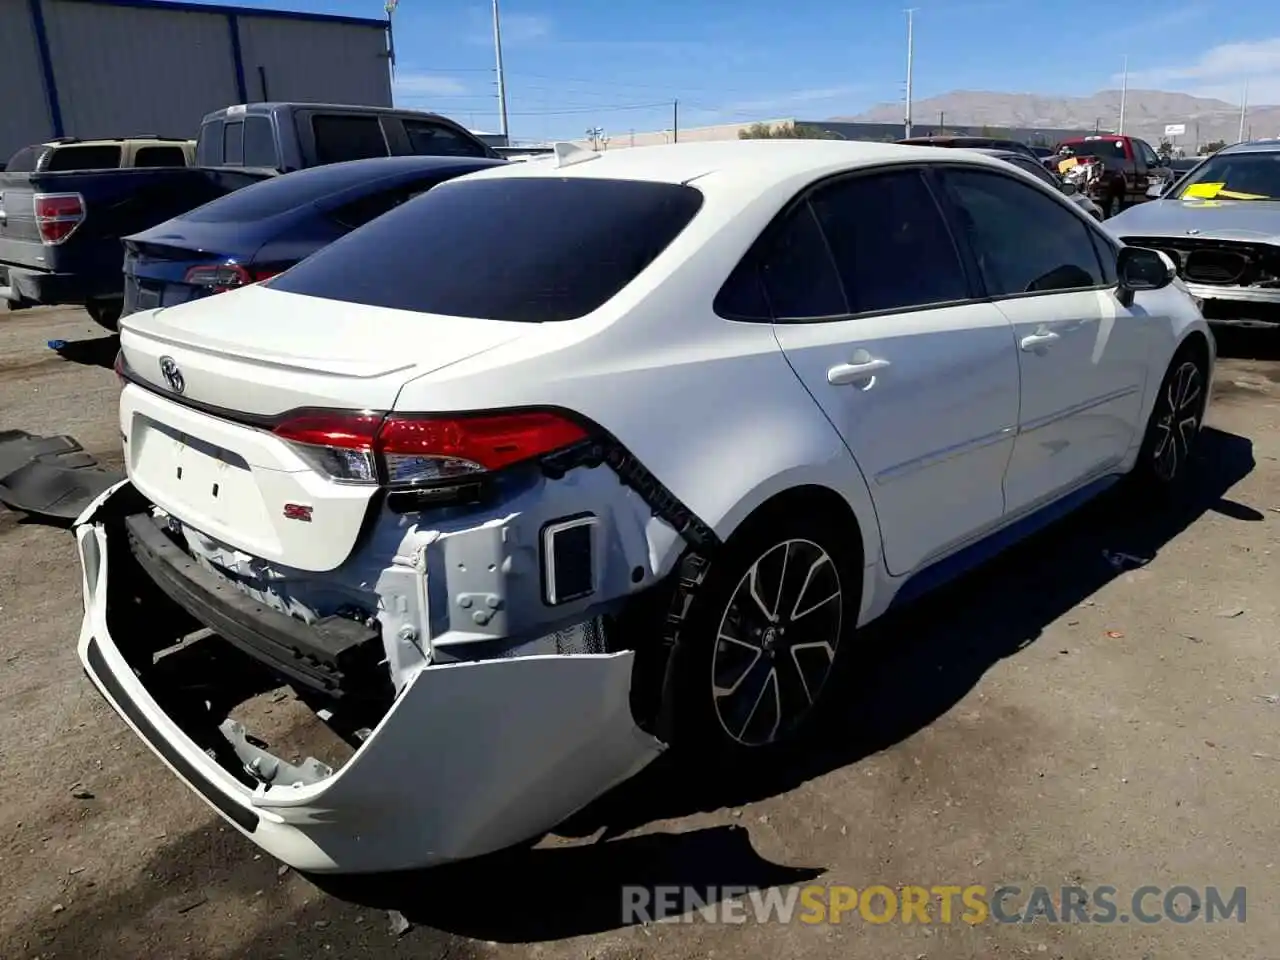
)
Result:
{"points": [[1037, 341], [858, 372]]}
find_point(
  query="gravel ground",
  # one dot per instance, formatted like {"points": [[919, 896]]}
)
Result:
{"points": [[1052, 719]]}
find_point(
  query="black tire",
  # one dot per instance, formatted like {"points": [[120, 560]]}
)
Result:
{"points": [[1176, 419], [105, 313], [739, 684]]}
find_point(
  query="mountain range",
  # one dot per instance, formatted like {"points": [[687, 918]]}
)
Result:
{"points": [[1146, 113]]}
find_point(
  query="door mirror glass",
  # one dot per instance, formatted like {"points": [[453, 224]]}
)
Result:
{"points": [[1142, 269]]}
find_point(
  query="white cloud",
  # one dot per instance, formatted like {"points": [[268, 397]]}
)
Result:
{"points": [[793, 100], [1222, 72], [410, 85], [517, 28]]}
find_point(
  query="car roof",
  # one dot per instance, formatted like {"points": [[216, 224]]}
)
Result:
{"points": [[1253, 146], [749, 163]]}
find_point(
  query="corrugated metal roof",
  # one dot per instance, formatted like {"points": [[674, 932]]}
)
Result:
{"points": [[237, 11]]}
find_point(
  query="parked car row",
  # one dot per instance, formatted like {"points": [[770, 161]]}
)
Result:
{"points": [[62, 226], [440, 474]]}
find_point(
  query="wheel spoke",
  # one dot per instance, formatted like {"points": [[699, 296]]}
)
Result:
{"points": [[808, 579]]}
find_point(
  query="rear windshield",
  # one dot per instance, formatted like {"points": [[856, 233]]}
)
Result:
{"points": [[531, 249], [97, 157], [277, 195], [1095, 148]]}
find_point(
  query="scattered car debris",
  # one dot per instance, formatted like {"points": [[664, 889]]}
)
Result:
{"points": [[1124, 561], [1271, 698], [1115, 634], [49, 476], [190, 905], [1230, 613], [80, 793]]}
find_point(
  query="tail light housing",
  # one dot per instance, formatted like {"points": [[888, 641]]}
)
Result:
{"points": [[58, 216], [410, 450], [221, 277]]}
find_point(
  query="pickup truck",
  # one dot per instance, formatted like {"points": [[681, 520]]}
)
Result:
{"points": [[61, 232], [1115, 171], [72, 153]]}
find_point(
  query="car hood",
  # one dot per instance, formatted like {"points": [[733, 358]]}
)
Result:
{"points": [[1255, 221]]}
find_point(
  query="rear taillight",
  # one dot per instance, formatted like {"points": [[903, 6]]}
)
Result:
{"points": [[57, 215], [404, 450], [219, 278]]}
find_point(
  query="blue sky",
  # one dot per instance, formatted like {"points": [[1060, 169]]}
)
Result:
{"points": [[619, 64]]}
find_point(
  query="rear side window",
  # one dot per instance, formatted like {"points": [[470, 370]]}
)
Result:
{"points": [[891, 245], [353, 137], [527, 249], [159, 157], [428, 139], [259, 143], [97, 157], [209, 145], [233, 144]]}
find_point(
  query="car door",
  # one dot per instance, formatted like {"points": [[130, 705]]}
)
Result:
{"points": [[1082, 353], [877, 316]]}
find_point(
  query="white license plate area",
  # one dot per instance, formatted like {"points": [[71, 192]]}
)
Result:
{"points": [[210, 483]]}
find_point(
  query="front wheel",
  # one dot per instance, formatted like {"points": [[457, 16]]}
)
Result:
{"points": [[758, 645], [1175, 423]]}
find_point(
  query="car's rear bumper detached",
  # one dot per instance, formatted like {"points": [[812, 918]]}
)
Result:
{"points": [[470, 758]]}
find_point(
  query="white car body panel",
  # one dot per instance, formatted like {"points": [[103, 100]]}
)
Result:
{"points": [[1082, 393], [941, 416], [961, 436]]}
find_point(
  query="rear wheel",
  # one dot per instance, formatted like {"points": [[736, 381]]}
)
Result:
{"points": [[759, 642], [105, 313], [1175, 422]]}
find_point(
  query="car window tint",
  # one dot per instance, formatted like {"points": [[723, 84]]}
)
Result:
{"points": [[209, 145], [891, 245], [356, 213], [429, 139], [353, 137], [797, 274], [527, 249], [96, 157], [233, 144], [1023, 241], [159, 157], [259, 143]]}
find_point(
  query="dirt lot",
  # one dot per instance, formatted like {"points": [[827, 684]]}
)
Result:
{"points": [[1051, 720]]}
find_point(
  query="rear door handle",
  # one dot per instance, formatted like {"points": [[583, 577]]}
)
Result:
{"points": [[846, 373], [1035, 341]]}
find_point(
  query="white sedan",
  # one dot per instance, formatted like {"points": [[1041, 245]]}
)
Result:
{"points": [[569, 461]]}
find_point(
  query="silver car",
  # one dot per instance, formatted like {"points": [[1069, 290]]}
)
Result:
{"points": [[1220, 224]]}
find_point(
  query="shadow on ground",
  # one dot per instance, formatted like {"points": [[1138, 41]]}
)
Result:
{"points": [[1238, 343], [931, 656], [92, 352]]}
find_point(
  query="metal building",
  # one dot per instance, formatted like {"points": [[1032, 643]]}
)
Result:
{"points": [[114, 68]]}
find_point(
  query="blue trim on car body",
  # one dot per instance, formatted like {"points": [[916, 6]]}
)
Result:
{"points": [[976, 554], [237, 56], [188, 7], [46, 66]]}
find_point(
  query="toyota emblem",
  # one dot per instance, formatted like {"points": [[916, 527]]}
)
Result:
{"points": [[172, 375]]}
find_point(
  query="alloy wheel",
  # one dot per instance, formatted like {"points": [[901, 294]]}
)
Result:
{"points": [[776, 643], [1178, 420]]}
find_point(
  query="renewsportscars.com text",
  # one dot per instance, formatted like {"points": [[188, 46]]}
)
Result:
{"points": [[970, 904]]}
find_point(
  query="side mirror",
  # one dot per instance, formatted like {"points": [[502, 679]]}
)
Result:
{"points": [[1142, 269], [1069, 188]]}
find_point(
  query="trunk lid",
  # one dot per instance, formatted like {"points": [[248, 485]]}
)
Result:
{"points": [[261, 352], [245, 357]]}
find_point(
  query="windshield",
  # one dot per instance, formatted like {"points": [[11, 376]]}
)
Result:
{"points": [[530, 249], [1095, 148], [1235, 176]]}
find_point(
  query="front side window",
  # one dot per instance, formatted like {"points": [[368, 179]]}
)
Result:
{"points": [[890, 243], [1023, 241]]}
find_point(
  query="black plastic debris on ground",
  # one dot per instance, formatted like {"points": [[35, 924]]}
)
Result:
{"points": [[49, 476]]}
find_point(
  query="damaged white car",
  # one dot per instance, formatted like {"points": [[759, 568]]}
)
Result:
{"points": [[568, 461]]}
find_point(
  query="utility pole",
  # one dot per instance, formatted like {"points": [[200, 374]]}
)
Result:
{"points": [[1244, 108], [502, 86], [942, 121], [910, 64], [675, 121], [1097, 124], [1124, 92]]}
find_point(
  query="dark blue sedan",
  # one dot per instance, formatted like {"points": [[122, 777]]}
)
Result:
{"points": [[263, 229]]}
